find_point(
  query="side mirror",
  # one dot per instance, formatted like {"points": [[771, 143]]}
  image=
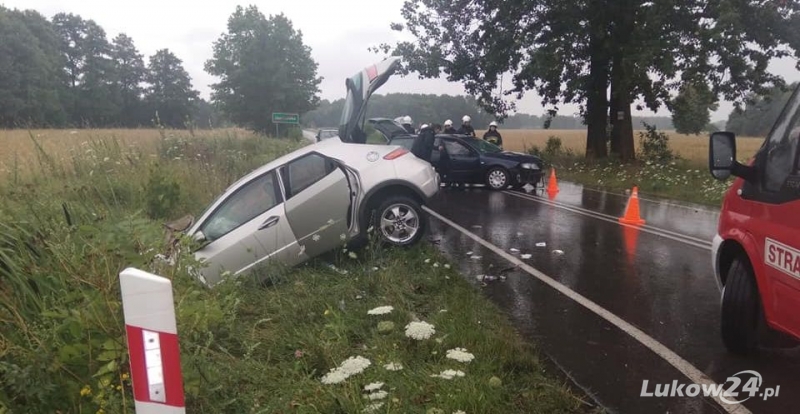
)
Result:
{"points": [[722, 154], [200, 239]]}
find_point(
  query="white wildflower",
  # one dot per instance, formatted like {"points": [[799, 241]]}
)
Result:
{"points": [[446, 266], [427, 260], [460, 355], [315, 237], [355, 365], [334, 377], [393, 366], [342, 237], [378, 395], [419, 330], [373, 407], [459, 412], [330, 221], [351, 366], [380, 310], [374, 386], [352, 255], [436, 265], [449, 374]]}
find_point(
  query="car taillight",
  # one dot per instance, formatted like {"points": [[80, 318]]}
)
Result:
{"points": [[395, 154]]}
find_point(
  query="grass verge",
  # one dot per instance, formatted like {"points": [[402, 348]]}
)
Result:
{"points": [[69, 226], [658, 171]]}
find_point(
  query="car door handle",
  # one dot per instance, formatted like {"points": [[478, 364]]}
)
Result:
{"points": [[269, 222]]}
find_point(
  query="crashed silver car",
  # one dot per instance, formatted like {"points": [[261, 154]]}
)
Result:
{"points": [[318, 198]]}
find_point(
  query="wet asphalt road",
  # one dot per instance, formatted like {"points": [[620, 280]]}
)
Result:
{"points": [[658, 278]]}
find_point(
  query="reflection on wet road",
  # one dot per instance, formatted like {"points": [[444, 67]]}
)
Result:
{"points": [[662, 285]]}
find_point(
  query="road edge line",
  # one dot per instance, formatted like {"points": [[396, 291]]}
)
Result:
{"points": [[681, 238], [677, 362]]}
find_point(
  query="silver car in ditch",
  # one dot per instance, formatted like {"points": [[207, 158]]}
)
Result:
{"points": [[318, 198]]}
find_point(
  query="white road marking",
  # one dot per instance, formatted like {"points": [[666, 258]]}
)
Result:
{"points": [[690, 240], [687, 369], [704, 209]]}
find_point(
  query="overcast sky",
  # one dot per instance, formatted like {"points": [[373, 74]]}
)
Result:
{"points": [[338, 42]]}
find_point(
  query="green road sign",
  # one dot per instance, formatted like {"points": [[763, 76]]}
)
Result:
{"points": [[284, 118]]}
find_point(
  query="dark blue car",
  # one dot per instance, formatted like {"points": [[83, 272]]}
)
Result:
{"points": [[472, 160]]}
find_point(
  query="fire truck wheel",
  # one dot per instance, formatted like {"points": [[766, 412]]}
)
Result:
{"points": [[741, 310]]}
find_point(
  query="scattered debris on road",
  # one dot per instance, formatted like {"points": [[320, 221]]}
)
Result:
{"points": [[558, 252], [541, 244]]}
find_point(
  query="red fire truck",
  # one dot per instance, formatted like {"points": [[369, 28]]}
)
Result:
{"points": [[756, 253]]}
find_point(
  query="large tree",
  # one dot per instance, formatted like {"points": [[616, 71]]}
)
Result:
{"points": [[263, 67], [130, 72], [691, 108], [573, 52], [170, 95], [89, 70], [29, 70]]}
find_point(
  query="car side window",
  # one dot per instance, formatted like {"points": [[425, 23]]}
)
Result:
{"points": [[782, 151], [248, 202], [456, 148], [304, 172]]}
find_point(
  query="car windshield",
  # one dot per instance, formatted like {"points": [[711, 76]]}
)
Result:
{"points": [[484, 146]]}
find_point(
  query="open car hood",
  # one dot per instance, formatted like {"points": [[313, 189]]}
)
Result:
{"points": [[388, 127], [359, 88]]}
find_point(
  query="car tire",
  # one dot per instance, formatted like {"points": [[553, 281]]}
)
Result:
{"points": [[396, 216], [742, 314], [498, 178]]}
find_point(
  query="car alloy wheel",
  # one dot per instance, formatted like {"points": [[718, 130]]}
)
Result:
{"points": [[497, 179], [400, 221]]}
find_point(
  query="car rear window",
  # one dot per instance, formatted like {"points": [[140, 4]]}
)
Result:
{"points": [[403, 142]]}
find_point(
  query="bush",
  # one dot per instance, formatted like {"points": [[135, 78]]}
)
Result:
{"points": [[162, 194], [654, 145], [553, 146]]}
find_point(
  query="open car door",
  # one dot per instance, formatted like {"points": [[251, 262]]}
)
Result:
{"points": [[359, 88]]}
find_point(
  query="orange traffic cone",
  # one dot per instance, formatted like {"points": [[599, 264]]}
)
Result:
{"points": [[632, 210], [552, 186]]}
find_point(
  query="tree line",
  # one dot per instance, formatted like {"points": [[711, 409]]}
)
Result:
{"points": [[64, 71], [429, 108]]}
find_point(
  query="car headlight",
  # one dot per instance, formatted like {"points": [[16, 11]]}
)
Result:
{"points": [[529, 166]]}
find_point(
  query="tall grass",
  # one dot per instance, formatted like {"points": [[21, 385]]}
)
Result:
{"points": [[68, 225]]}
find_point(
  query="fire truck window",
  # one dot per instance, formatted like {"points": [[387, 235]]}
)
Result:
{"points": [[782, 147]]}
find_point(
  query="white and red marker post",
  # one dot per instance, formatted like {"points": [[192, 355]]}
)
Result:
{"points": [[152, 332]]}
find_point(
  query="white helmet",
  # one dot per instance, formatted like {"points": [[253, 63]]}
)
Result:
{"points": [[466, 118], [493, 124], [423, 127], [448, 123], [407, 120]]}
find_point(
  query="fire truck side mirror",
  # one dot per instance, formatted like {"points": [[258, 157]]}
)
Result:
{"points": [[722, 154]]}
